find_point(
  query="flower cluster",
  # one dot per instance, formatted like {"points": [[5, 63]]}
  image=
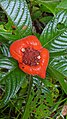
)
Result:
{"points": [[31, 56]]}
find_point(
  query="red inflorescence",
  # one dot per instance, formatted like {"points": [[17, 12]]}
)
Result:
{"points": [[31, 56]]}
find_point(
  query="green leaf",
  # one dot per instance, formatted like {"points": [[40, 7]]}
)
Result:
{"points": [[8, 35], [63, 4], [7, 63], [55, 35], [50, 4], [60, 64], [13, 78], [54, 38], [45, 19], [18, 16], [55, 73], [4, 49], [58, 68]]}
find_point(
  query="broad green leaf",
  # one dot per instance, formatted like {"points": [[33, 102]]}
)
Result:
{"points": [[63, 4], [13, 78], [49, 4], [5, 49], [36, 14], [7, 63], [13, 83], [45, 19], [8, 35], [60, 77], [58, 68], [54, 38], [60, 64], [18, 16]]}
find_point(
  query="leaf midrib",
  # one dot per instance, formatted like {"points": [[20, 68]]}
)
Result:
{"points": [[55, 37]]}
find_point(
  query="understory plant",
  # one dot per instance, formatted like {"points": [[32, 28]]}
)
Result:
{"points": [[33, 29]]}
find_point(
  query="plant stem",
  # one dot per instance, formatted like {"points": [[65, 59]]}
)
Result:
{"points": [[26, 111]]}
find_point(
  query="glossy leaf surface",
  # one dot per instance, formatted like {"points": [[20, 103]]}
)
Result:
{"points": [[18, 18], [13, 78], [54, 37]]}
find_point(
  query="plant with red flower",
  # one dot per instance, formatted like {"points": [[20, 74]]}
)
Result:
{"points": [[31, 56]]}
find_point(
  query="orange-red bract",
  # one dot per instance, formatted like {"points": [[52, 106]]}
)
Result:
{"points": [[32, 42]]}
